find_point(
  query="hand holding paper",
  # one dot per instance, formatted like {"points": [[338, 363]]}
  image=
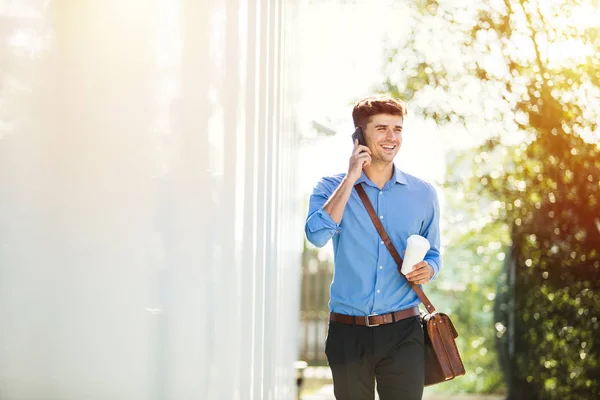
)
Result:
{"points": [[416, 249]]}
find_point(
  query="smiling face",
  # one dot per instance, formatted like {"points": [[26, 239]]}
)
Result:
{"points": [[383, 135]]}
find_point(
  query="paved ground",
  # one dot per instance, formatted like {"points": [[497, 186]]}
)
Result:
{"points": [[326, 393]]}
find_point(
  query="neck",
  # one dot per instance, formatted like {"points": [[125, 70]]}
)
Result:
{"points": [[379, 173]]}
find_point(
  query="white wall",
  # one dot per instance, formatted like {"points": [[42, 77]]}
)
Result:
{"points": [[149, 227]]}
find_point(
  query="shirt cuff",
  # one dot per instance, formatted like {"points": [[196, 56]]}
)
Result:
{"points": [[323, 221], [435, 268]]}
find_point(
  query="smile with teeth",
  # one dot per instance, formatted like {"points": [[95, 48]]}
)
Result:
{"points": [[388, 147]]}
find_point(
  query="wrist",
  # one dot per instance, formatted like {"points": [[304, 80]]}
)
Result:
{"points": [[350, 180], [431, 269]]}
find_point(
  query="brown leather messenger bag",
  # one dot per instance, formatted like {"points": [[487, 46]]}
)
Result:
{"points": [[442, 360]]}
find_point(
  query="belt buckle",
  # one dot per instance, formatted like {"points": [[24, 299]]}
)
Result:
{"points": [[367, 320]]}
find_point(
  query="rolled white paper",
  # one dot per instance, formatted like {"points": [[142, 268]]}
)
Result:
{"points": [[416, 248]]}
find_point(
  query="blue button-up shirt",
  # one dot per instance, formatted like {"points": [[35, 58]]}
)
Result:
{"points": [[365, 278]]}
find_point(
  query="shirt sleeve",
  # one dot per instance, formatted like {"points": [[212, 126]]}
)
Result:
{"points": [[431, 231], [319, 226]]}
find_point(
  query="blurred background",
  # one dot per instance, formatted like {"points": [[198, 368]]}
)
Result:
{"points": [[156, 159]]}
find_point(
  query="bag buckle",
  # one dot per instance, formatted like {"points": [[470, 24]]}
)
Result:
{"points": [[367, 320]]}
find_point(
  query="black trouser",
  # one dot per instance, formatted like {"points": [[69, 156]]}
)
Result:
{"points": [[392, 354]]}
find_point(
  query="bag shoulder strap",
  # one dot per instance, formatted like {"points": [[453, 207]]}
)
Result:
{"points": [[390, 246]]}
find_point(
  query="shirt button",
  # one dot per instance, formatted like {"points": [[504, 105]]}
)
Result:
{"points": [[381, 267], [380, 193], [378, 291], [381, 217], [382, 242]]}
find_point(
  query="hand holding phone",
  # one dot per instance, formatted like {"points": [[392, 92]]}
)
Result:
{"points": [[361, 155]]}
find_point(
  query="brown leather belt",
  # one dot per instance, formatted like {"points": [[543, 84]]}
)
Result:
{"points": [[374, 319]]}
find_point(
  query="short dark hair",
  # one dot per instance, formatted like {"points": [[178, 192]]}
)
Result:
{"points": [[376, 104]]}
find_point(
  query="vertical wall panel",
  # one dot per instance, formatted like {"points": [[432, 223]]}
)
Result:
{"points": [[150, 233]]}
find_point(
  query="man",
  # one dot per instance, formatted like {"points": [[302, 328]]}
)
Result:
{"points": [[366, 280]]}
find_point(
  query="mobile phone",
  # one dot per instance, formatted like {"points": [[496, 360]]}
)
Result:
{"points": [[358, 134]]}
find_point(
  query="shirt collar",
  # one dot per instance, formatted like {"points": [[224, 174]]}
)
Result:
{"points": [[398, 177]]}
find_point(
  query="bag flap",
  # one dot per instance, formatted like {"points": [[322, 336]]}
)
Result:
{"points": [[451, 325], [444, 319]]}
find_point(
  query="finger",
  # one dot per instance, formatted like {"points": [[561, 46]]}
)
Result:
{"points": [[417, 274], [360, 161], [425, 268], [419, 279], [362, 157], [356, 149], [423, 277], [364, 148], [414, 276], [360, 149], [419, 265]]}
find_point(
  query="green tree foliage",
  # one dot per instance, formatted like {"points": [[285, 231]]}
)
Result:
{"points": [[524, 76]]}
